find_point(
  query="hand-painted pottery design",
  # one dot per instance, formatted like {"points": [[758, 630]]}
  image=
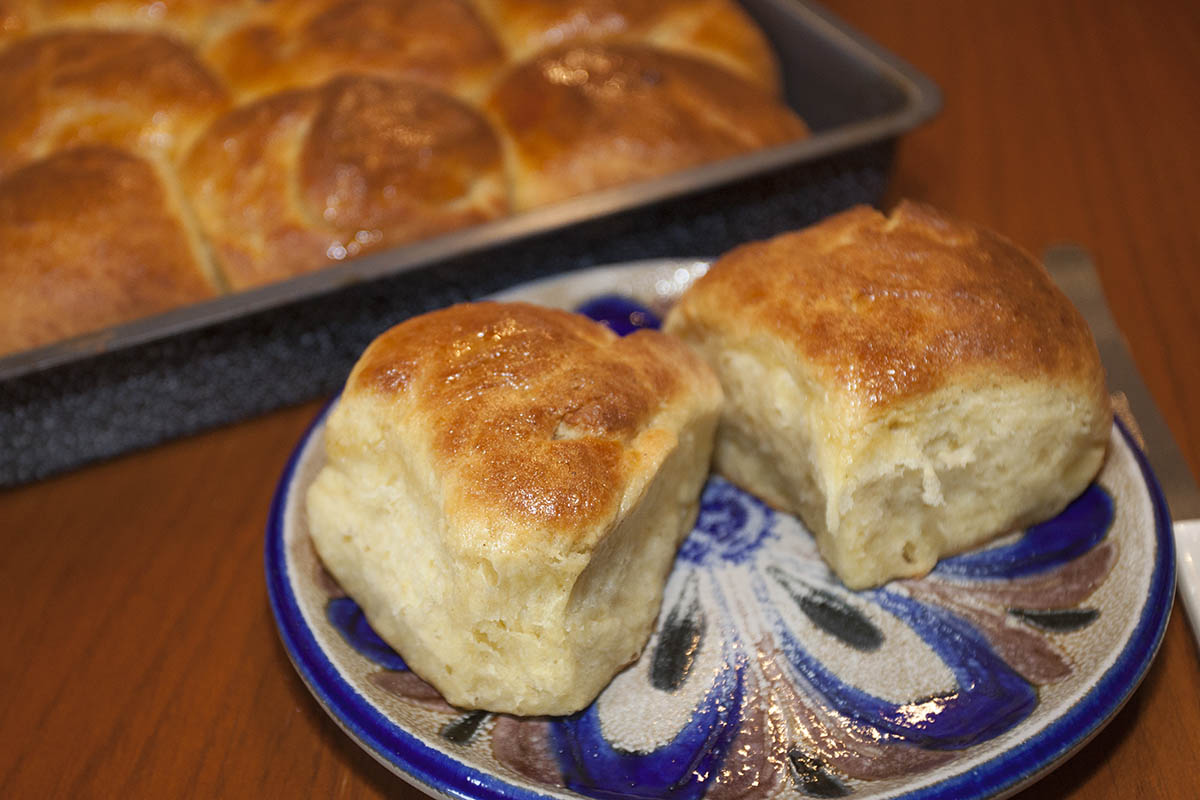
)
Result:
{"points": [[766, 677]]}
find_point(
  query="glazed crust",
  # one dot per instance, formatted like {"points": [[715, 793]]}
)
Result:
{"points": [[91, 238], [141, 91], [17, 19], [305, 178], [187, 20], [534, 408], [717, 30], [293, 43], [584, 117], [885, 308]]}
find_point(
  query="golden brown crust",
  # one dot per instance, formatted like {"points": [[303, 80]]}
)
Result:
{"points": [[533, 408], [305, 178], [297, 43], [585, 117], [191, 20], [17, 19], [885, 308], [90, 239], [142, 91], [718, 30]]}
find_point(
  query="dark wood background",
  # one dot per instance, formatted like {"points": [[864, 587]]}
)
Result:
{"points": [[139, 654]]}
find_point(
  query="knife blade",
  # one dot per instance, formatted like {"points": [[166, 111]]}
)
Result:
{"points": [[1072, 269]]}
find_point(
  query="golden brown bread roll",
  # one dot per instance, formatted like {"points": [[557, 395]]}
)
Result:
{"points": [[293, 43], [306, 178], [504, 491], [585, 117], [92, 237], [911, 386], [718, 30], [142, 91]]}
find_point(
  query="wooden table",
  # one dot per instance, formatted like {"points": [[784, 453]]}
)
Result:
{"points": [[140, 658]]}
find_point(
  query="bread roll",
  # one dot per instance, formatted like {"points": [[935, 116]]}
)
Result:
{"points": [[92, 237], [297, 43], [142, 91], [909, 386], [718, 30], [309, 177], [585, 117], [504, 493]]}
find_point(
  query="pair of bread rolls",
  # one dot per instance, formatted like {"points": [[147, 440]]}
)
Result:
{"points": [[277, 137], [506, 485]]}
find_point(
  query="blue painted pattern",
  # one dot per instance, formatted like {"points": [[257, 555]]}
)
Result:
{"points": [[348, 619], [732, 526], [621, 314], [1050, 545], [594, 766]]}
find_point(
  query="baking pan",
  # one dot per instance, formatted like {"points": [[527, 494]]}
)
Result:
{"points": [[193, 368]]}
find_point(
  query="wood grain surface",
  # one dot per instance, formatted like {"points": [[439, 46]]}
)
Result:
{"points": [[139, 656]]}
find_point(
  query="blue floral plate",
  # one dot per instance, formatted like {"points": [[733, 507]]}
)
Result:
{"points": [[766, 677]]}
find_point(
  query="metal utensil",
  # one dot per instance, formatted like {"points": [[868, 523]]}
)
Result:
{"points": [[1187, 556], [1072, 269]]}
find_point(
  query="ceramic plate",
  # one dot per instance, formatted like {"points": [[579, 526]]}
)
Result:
{"points": [[766, 677]]}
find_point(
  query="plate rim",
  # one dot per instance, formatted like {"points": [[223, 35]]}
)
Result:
{"points": [[442, 775]]}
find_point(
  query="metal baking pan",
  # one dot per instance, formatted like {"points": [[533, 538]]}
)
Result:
{"points": [[193, 368]]}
